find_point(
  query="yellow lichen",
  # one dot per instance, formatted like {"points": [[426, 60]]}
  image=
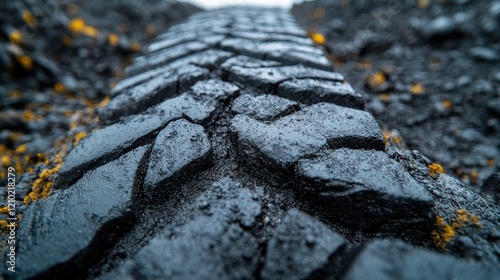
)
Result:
{"points": [[490, 162], [5, 161], [417, 89], [79, 136], [113, 39], [103, 102], [3, 225], [59, 87], [364, 64], [15, 94], [91, 31], [317, 38], [21, 149], [29, 18], [76, 25], [377, 79], [26, 62], [135, 47], [15, 37], [385, 97], [435, 169], [443, 233], [447, 104], [474, 177], [67, 40]]}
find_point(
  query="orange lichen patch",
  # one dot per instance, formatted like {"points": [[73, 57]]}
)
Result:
{"points": [[435, 169], [386, 138], [377, 79], [72, 8], [79, 136], [4, 209], [113, 39], [423, 4], [447, 104], [318, 13], [59, 88], [76, 25], [29, 18], [490, 162], [103, 102], [91, 31], [135, 47], [21, 149], [42, 187], [385, 97], [317, 38], [67, 40], [417, 88], [25, 61], [443, 233], [15, 94], [28, 116], [474, 176], [364, 64], [150, 29], [5, 160], [15, 37]]}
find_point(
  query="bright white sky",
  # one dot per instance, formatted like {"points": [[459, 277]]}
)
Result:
{"points": [[210, 4]]}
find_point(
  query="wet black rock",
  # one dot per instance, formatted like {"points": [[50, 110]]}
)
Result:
{"points": [[214, 90], [311, 91], [212, 245], [269, 77], [364, 187], [388, 259], [64, 232], [283, 142], [180, 148], [263, 107], [299, 247], [106, 144]]}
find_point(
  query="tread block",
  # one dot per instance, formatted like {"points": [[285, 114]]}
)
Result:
{"points": [[283, 142], [268, 78], [392, 259], [310, 91], [154, 91], [58, 230], [363, 187], [286, 52], [106, 144], [206, 59], [156, 59], [212, 245], [184, 106], [214, 89], [181, 147], [300, 246], [263, 107], [270, 37]]}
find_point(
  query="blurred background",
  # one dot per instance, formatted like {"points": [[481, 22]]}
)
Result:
{"points": [[428, 69]]}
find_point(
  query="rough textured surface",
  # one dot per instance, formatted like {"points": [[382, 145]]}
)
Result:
{"points": [[387, 259], [73, 223], [286, 140], [106, 144], [263, 107], [314, 91], [228, 171], [363, 187], [210, 246], [300, 246], [178, 148]]}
